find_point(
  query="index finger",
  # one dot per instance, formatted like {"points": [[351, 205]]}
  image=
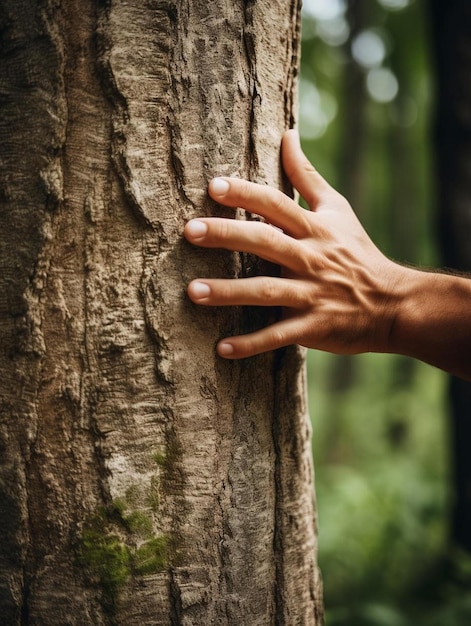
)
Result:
{"points": [[275, 206]]}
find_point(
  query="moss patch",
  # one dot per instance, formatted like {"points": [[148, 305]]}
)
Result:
{"points": [[139, 524], [153, 499], [152, 556], [160, 458], [116, 545], [107, 557]]}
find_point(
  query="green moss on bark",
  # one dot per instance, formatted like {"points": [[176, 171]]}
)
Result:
{"points": [[116, 545], [106, 557], [152, 556]]}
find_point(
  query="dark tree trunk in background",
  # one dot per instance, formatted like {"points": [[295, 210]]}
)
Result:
{"points": [[451, 28]]}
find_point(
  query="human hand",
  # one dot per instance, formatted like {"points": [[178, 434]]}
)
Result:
{"points": [[336, 289]]}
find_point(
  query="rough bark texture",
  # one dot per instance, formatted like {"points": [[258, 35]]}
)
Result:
{"points": [[451, 23], [143, 480]]}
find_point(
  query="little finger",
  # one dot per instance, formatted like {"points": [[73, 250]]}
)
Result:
{"points": [[272, 337]]}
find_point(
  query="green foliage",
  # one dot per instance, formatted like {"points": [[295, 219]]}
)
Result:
{"points": [[443, 600], [376, 153], [381, 479], [379, 421]]}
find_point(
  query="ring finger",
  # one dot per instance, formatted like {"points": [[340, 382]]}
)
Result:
{"points": [[256, 291]]}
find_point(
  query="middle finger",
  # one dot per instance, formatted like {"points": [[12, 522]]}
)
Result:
{"points": [[253, 237]]}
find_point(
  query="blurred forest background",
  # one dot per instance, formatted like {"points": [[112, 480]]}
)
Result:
{"points": [[381, 424]]}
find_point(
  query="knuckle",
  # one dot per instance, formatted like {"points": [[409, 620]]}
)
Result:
{"points": [[308, 168], [252, 194], [270, 236], [245, 192], [277, 199], [307, 261], [309, 296], [222, 230], [324, 233], [225, 291], [343, 203], [267, 289], [278, 337]]}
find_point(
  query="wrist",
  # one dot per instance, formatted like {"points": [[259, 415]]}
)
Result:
{"points": [[431, 320], [396, 313], [410, 298]]}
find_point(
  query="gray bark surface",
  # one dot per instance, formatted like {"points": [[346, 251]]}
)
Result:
{"points": [[143, 480]]}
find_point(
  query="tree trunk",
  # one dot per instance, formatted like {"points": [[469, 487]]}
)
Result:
{"points": [[452, 45], [143, 479]]}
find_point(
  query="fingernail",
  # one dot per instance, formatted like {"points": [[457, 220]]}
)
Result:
{"points": [[219, 186], [196, 229], [225, 349], [200, 290]]}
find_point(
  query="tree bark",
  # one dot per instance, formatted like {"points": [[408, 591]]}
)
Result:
{"points": [[451, 24], [143, 479]]}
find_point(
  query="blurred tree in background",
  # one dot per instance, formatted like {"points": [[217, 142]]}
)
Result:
{"points": [[388, 551]]}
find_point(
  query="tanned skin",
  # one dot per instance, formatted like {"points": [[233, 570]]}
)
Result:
{"points": [[337, 291]]}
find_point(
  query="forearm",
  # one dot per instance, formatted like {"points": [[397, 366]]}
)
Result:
{"points": [[433, 320]]}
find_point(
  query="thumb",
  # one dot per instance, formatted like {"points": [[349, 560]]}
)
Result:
{"points": [[302, 174]]}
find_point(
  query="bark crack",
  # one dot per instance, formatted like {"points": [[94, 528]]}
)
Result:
{"points": [[121, 118], [176, 608], [278, 547], [293, 53], [254, 85]]}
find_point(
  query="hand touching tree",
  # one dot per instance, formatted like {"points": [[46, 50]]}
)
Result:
{"points": [[337, 291]]}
